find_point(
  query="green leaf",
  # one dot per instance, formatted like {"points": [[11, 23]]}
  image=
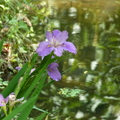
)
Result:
{"points": [[22, 25], [47, 84], [27, 72], [2, 61], [37, 74], [13, 83], [41, 116], [25, 113], [1, 44], [39, 87], [36, 108]]}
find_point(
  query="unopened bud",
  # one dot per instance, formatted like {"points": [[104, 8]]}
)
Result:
{"points": [[12, 99]]}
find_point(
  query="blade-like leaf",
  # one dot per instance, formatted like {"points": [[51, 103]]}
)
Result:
{"points": [[13, 83], [25, 113], [40, 72], [1, 44], [39, 87], [36, 108], [41, 116], [20, 108], [30, 66]]}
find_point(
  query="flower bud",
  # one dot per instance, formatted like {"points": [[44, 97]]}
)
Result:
{"points": [[12, 99]]}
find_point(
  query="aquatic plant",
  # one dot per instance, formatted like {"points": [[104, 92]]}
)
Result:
{"points": [[30, 80]]}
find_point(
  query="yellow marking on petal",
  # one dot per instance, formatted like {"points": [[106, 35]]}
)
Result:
{"points": [[49, 70], [49, 46]]}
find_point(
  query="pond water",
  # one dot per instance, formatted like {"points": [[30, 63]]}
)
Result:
{"points": [[90, 84], [94, 28]]}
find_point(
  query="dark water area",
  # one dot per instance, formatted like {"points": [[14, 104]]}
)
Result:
{"points": [[94, 28]]}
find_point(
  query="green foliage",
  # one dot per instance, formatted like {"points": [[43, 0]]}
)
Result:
{"points": [[19, 26], [1, 44], [67, 92], [19, 109], [3, 84], [24, 83], [41, 116]]}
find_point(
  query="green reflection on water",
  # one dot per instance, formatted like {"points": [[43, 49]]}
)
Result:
{"points": [[94, 28]]}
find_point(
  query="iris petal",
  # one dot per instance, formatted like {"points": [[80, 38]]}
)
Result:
{"points": [[44, 49], [56, 42], [2, 100], [18, 68], [63, 37], [49, 36], [68, 46], [52, 66], [56, 33], [53, 71], [55, 75], [58, 51]]}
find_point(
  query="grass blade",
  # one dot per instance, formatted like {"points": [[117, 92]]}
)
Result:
{"points": [[25, 113], [13, 83], [41, 116], [1, 44]]}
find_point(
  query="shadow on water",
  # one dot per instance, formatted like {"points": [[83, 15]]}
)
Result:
{"points": [[94, 28]]}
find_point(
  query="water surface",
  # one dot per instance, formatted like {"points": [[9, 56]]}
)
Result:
{"points": [[94, 28]]}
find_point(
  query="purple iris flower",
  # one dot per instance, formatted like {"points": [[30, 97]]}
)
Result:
{"points": [[53, 71], [3, 101], [57, 43], [18, 68]]}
